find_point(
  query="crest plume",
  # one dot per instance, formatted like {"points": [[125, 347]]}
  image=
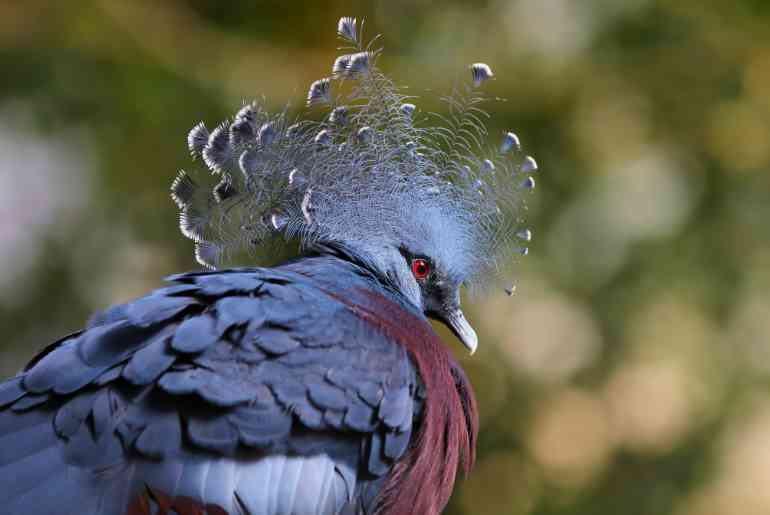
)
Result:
{"points": [[373, 167]]}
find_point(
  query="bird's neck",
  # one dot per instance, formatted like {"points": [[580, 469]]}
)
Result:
{"points": [[422, 481], [337, 261]]}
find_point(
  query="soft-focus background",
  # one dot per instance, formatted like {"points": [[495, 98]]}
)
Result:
{"points": [[630, 374]]}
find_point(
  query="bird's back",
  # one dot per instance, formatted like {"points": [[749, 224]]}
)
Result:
{"points": [[260, 391]]}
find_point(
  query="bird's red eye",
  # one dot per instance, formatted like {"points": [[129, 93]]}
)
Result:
{"points": [[420, 268]]}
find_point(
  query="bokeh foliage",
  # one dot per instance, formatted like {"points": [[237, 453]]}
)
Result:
{"points": [[631, 371]]}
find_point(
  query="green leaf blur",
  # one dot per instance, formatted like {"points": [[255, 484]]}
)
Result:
{"points": [[630, 372]]}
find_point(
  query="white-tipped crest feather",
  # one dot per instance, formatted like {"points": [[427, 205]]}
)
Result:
{"points": [[366, 172]]}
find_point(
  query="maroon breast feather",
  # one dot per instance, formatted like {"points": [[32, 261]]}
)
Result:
{"points": [[423, 479]]}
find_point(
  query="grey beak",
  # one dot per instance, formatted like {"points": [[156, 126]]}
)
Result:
{"points": [[462, 329]]}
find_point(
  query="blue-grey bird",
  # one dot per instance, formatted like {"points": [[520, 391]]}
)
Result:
{"points": [[315, 387]]}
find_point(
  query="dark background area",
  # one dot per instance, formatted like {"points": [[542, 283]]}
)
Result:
{"points": [[630, 372]]}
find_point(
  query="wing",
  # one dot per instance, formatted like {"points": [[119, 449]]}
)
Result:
{"points": [[251, 389]]}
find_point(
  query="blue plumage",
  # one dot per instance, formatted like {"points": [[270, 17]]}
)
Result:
{"points": [[184, 386]]}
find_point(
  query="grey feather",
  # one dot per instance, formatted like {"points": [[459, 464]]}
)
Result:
{"points": [[235, 311], [395, 407], [359, 417], [10, 391], [30, 401], [197, 139], [327, 396], [15, 446], [213, 433], [309, 416], [159, 437], [109, 375], [396, 444], [184, 382], [218, 152], [274, 341], [154, 309], [28, 472], [101, 413], [195, 334], [224, 392], [62, 371], [146, 365], [260, 427], [377, 463], [72, 414]]}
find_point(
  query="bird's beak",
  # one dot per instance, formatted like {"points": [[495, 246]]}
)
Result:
{"points": [[456, 321]]}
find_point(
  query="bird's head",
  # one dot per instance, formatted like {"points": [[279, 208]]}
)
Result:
{"points": [[421, 199], [428, 280], [424, 259]]}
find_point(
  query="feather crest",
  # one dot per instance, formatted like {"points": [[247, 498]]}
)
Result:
{"points": [[372, 168]]}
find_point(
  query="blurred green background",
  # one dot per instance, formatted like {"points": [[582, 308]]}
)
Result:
{"points": [[630, 374]]}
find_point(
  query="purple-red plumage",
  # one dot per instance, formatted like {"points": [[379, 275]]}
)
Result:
{"points": [[422, 481]]}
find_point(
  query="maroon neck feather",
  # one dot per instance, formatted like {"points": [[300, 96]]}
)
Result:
{"points": [[422, 481]]}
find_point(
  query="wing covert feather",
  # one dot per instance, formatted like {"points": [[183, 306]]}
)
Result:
{"points": [[244, 362]]}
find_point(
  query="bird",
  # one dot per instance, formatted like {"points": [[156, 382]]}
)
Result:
{"points": [[315, 386]]}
